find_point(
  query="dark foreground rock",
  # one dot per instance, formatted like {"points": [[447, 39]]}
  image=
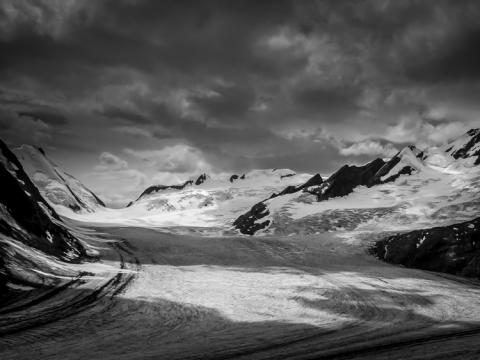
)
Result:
{"points": [[26, 218], [451, 249]]}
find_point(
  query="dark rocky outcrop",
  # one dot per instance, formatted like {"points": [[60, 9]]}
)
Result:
{"points": [[235, 177], [247, 224], [346, 179], [453, 249], [468, 149], [313, 181], [201, 179], [385, 169]]}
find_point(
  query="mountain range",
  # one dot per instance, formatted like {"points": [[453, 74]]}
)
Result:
{"points": [[435, 192]]}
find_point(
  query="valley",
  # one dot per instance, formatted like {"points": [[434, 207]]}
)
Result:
{"points": [[191, 297], [362, 264]]}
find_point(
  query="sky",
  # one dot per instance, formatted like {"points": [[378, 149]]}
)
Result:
{"points": [[124, 94]]}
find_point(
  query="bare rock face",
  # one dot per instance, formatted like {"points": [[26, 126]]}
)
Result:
{"points": [[453, 249], [201, 179], [247, 223], [469, 148], [403, 163], [313, 181], [346, 179]]}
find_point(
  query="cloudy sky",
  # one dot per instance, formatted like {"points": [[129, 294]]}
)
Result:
{"points": [[127, 93]]}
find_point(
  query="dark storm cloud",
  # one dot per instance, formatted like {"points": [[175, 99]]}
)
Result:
{"points": [[227, 103], [115, 112], [458, 62], [188, 36], [327, 101], [48, 117], [240, 80]]}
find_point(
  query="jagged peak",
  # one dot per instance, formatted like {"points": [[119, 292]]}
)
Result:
{"points": [[408, 150], [473, 132], [201, 179]]}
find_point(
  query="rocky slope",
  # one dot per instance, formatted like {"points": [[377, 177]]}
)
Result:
{"points": [[453, 249], [413, 188], [405, 162], [466, 146], [341, 183], [248, 221], [29, 226], [57, 187], [346, 179]]}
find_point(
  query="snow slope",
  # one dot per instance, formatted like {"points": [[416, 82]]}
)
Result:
{"points": [[214, 202], [438, 189], [59, 188]]}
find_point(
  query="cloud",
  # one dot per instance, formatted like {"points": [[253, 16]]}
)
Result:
{"points": [[133, 131], [178, 158], [45, 17], [48, 117], [23, 130], [108, 161], [413, 129], [368, 147], [116, 182], [115, 112]]}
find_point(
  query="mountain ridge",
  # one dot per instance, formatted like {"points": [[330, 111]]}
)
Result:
{"points": [[56, 185], [409, 161]]}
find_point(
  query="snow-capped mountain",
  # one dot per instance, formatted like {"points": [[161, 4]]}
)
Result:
{"points": [[413, 189], [29, 226], [467, 146], [405, 162], [213, 201], [159, 188], [59, 188]]}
